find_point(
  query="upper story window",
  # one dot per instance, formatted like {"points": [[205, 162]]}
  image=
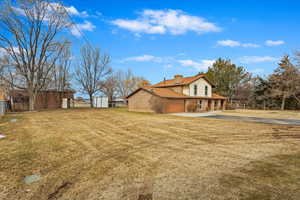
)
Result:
{"points": [[206, 90], [195, 90]]}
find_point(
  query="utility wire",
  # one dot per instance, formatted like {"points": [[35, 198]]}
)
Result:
{"points": [[75, 25]]}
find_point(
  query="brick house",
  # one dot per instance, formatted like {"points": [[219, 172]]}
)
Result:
{"points": [[181, 94]]}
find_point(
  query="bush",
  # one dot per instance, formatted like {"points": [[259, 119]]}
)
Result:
{"points": [[157, 105], [191, 107], [230, 107]]}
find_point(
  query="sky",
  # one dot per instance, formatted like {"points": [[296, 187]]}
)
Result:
{"points": [[161, 38]]}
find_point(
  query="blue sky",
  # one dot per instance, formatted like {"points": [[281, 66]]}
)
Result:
{"points": [[158, 39]]}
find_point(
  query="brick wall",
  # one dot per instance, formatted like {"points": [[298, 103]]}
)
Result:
{"points": [[144, 101], [51, 100], [140, 101]]}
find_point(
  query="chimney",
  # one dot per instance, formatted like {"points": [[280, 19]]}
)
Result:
{"points": [[178, 78]]}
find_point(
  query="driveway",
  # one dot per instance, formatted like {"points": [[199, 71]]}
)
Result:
{"points": [[214, 115]]}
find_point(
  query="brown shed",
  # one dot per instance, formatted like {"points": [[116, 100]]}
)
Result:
{"points": [[46, 99]]}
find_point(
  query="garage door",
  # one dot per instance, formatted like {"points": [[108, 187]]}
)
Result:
{"points": [[172, 106]]}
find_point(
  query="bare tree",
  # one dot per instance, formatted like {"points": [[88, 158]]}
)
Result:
{"points": [[127, 82], [29, 35], [109, 87], [61, 73], [92, 69]]}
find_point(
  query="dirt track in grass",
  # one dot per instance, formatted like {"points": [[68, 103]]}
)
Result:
{"points": [[114, 154]]}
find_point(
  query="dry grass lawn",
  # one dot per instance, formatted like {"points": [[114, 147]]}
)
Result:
{"points": [[275, 114], [90, 154]]}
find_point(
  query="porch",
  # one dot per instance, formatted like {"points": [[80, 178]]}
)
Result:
{"points": [[204, 105]]}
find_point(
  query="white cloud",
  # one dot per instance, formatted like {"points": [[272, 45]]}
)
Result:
{"points": [[143, 58], [4, 52], [233, 43], [77, 29], [274, 43], [70, 9], [73, 11], [170, 21], [257, 59], [149, 58], [250, 45], [57, 6], [139, 27], [228, 43], [202, 65]]}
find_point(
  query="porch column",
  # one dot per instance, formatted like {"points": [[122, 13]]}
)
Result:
{"points": [[204, 104], [212, 105], [219, 104], [224, 102]]}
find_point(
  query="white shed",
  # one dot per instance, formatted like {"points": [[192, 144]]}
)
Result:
{"points": [[100, 102]]}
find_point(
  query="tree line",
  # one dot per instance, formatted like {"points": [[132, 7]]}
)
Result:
{"points": [[35, 55], [279, 90]]}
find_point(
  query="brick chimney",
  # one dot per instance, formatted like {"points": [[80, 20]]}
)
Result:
{"points": [[178, 78]]}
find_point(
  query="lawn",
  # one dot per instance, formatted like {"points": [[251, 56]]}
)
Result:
{"points": [[93, 154], [275, 114]]}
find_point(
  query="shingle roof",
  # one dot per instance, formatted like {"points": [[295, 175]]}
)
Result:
{"points": [[164, 92], [183, 81], [169, 93]]}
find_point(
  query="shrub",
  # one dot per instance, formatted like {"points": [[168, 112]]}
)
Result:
{"points": [[191, 107], [157, 105]]}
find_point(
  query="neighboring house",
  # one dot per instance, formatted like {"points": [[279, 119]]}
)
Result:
{"points": [[181, 94], [46, 99]]}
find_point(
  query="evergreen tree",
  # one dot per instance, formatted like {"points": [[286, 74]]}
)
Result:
{"points": [[227, 77], [285, 81]]}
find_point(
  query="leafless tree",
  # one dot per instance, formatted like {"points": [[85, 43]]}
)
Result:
{"points": [[127, 82], [91, 70], [29, 36], [61, 73], [109, 86]]}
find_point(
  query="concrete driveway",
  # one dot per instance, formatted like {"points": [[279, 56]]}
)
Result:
{"points": [[215, 115], [204, 114]]}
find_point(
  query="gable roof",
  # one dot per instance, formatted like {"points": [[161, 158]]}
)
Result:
{"points": [[161, 92], [183, 81], [169, 93]]}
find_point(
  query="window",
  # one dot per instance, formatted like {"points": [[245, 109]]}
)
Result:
{"points": [[195, 90], [199, 103], [206, 90]]}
